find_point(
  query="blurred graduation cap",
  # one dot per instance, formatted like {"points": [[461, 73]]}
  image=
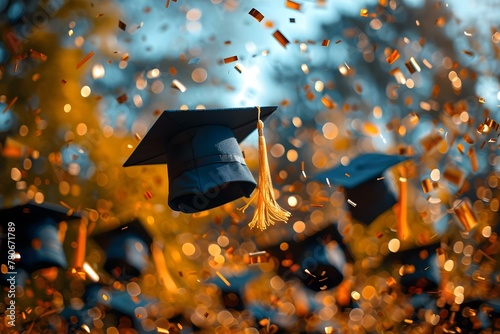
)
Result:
{"points": [[418, 268], [120, 303], [232, 286], [127, 249], [36, 234], [317, 261], [365, 188], [206, 167]]}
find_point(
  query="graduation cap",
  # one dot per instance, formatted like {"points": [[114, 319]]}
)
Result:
{"points": [[35, 227], [127, 249], [233, 294], [206, 167], [418, 268], [366, 190], [316, 261], [120, 303]]}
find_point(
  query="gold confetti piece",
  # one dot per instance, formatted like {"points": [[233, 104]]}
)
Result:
{"points": [[292, 5], [316, 205], [137, 137], [230, 59], [468, 139], [148, 195], [427, 185], [81, 243], [256, 14], [427, 63], [482, 100], [467, 33], [431, 141], [403, 230], [223, 278], [393, 57], [239, 68], [328, 182], [460, 148], [325, 42], [85, 59], [454, 175], [473, 159], [351, 203], [491, 124], [412, 66], [280, 38], [363, 12], [259, 257], [328, 102], [38, 55], [122, 25], [482, 129], [63, 82], [468, 53], [398, 75], [8, 106], [465, 214], [122, 98], [178, 85]]}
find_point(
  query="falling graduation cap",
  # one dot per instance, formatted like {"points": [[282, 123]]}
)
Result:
{"points": [[316, 261], [206, 167], [36, 234], [233, 286], [120, 303], [418, 268], [127, 249], [366, 190]]}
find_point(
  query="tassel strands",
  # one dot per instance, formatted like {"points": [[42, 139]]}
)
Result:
{"points": [[268, 211]]}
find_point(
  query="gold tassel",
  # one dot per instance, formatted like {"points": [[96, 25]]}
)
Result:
{"points": [[268, 211]]}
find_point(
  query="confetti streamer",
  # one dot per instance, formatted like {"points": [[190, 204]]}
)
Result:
{"points": [[85, 59]]}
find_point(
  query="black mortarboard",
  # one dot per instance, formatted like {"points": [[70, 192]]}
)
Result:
{"points": [[205, 165], [120, 303], [36, 234], [367, 192], [317, 261], [127, 249], [417, 268]]}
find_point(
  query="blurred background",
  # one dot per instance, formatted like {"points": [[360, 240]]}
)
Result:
{"points": [[81, 82]]}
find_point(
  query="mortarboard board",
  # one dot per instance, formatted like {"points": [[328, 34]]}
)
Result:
{"points": [[127, 249], [36, 234], [200, 147], [417, 268], [363, 185], [320, 259]]}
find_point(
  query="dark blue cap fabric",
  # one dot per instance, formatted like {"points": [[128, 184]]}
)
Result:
{"points": [[127, 249], [417, 268], [36, 234], [206, 167], [364, 185], [323, 255]]}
